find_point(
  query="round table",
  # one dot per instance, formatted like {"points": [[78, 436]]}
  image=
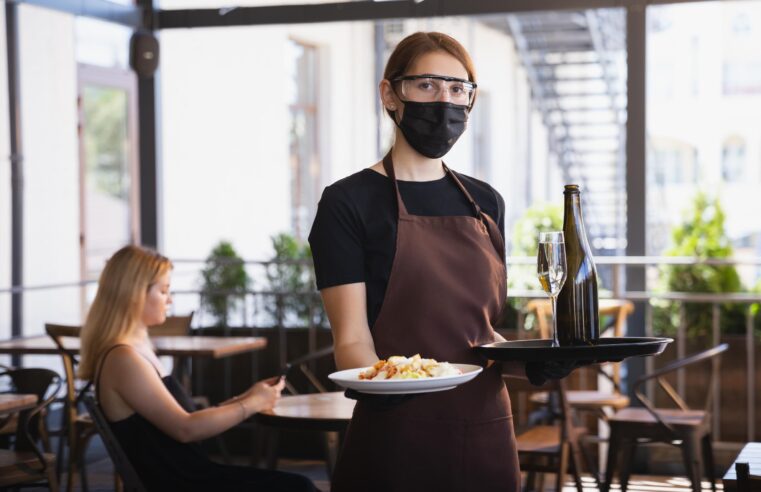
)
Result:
{"points": [[329, 413]]}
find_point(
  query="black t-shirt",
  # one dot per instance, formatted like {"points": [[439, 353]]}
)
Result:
{"points": [[353, 237]]}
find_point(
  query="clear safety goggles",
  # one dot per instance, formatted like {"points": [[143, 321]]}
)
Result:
{"points": [[431, 88]]}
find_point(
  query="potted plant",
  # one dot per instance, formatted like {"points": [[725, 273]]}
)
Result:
{"points": [[291, 280], [225, 282], [701, 235]]}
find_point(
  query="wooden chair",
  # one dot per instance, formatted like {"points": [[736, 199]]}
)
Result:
{"points": [[9, 425], [598, 401], [130, 481], [552, 448], [27, 464], [689, 429], [176, 326], [76, 428]]}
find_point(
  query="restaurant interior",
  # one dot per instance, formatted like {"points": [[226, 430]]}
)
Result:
{"points": [[208, 132]]}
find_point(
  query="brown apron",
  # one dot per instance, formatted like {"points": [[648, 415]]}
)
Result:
{"points": [[446, 289]]}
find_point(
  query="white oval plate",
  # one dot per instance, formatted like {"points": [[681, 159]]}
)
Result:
{"points": [[350, 379]]}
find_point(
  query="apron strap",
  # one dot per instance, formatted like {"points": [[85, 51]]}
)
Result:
{"points": [[491, 227], [388, 165], [467, 194]]}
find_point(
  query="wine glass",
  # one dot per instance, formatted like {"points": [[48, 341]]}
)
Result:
{"points": [[551, 269]]}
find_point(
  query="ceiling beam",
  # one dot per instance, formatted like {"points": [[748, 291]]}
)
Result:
{"points": [[126, 15], [371, 10]]}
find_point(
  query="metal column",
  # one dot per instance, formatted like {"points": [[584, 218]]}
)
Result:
{"points": [[17, 173], [636, 170]]}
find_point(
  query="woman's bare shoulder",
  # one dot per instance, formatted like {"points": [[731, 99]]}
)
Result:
{"points": [[124, 360]]}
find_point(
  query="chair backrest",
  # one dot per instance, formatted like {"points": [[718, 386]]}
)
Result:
{"points": [[711, 354], [43, 383], [122, 464], [618, 309], [301, 363], [57, 333], [173, 326]]}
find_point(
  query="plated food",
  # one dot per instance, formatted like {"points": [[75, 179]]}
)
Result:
{"points": [[407, 376], [415, 367]]}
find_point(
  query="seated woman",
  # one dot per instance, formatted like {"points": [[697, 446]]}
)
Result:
{"points": [[150, 414]]}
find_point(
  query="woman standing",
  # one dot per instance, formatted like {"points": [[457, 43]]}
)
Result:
{"points": [[409, 258], [148, 410]]}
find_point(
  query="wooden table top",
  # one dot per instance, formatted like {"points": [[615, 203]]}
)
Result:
{"points": [[13, 402], [183, 346], [315, 411], [750, 454]]}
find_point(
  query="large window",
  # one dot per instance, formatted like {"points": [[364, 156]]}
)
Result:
{"points": [[733, 159], [305, 160], [704, 95]]}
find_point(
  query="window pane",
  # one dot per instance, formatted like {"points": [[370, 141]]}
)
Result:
{"points": [[704, 97]]}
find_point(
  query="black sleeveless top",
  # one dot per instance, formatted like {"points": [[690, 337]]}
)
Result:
{"points": [[163, 463]]}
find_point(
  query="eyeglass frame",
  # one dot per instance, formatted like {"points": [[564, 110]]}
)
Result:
{"points": [[445, 78]]}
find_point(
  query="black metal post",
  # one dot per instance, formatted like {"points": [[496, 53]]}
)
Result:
{"points": [[17, 173], [146, 102], [636, 170]]}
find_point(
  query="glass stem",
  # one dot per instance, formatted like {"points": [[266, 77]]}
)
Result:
{"points": [[555, 321]]}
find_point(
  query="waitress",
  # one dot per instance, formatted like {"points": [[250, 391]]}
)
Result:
{"points": [[409, 258]]}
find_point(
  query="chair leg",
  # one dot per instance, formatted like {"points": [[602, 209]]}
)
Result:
{"points": [[614, 442], [272, 448], [576, 453], [62, 437], [692, 460], [708, 460], [72, 468], [83, 470], [629, 446], [52, 479], [562, 466], [332, 444]]}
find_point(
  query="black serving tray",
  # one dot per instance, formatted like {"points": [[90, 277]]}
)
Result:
{"points": [[606, 350]]}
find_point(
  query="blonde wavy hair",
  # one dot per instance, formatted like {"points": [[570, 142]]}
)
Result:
{"points": [[119, 302]]}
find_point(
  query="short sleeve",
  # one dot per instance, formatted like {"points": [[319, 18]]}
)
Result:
{"points": [[500, 212], [336, 240]]}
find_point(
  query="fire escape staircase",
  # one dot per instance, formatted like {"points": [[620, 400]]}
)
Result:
{"points": [[575, 62]]}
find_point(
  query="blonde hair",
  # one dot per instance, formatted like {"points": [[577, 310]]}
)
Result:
{"points": [[119, 302]]}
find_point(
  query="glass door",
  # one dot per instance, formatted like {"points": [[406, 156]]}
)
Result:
{"points": [[109, 197]]}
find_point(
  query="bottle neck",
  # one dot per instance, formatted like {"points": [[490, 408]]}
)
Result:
{"points": [[573, 221]]}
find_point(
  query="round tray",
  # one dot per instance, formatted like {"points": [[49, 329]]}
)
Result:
{"points": [[606, 350]]}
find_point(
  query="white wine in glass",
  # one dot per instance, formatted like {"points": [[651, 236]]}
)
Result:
{"points": [[551, 270]]}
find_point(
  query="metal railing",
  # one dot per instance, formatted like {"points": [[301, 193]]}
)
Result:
{"points": [[263, 307]]}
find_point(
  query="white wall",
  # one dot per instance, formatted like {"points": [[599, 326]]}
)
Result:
{"points": [[51, 165], [225, 155]]}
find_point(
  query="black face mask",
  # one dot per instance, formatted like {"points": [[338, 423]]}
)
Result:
{"points": [[432, 128]]}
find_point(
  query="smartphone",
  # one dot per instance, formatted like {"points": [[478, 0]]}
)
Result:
{"points": [[284, 371]]}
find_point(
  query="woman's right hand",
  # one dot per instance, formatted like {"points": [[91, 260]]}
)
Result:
{"points": [[262, 395]]}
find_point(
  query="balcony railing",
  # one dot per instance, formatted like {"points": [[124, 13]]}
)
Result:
{"points": [[262, 307]]}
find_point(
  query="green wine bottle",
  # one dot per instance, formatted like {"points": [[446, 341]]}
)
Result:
{"points": [[577, 306]]}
